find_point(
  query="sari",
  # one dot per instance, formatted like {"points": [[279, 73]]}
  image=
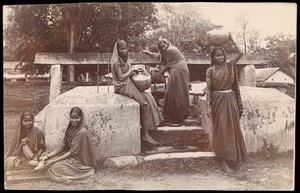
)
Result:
{"points": [[17, 160], [150, 115], [176, 98], [81, 165], [227, 141]]}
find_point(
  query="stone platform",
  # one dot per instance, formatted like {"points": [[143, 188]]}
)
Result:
{"points": [[268, 118], [113, 120]]}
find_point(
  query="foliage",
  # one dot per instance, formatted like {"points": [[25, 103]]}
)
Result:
{"points": [[73, 28], [280, 52], [184, 26]]}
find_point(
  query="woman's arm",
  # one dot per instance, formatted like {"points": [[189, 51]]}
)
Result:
{"points": [[208, 93], [152, 54], [166, 68], [236, 58], [122, 76], [56, 151], [39, 153], [57, 159]]}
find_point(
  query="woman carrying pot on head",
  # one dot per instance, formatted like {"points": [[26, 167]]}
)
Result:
{"points": [[176, 99], [122, 71], [225, 108]]}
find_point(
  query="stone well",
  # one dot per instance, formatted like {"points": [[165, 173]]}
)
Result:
{"points": [[113, 120]]}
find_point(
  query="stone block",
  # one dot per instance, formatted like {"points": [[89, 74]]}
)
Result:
{"points": [[113, 121], [56, 81], [121, 161], [248, 76], [269, 116]]}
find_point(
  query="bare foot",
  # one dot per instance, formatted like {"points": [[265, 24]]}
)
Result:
{"points": [[226, 167]]}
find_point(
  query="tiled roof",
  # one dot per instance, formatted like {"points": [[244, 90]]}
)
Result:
{"points": [[263, 73]]}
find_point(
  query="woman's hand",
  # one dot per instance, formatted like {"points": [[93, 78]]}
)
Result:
{"points": [[240, 113], [209, 113], [24, 141], [44, 158], [132, 71], [230, 36], [49, 163], [146, 52]]}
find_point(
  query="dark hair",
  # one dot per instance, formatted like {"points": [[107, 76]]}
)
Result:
{"points": [[121, 43], [162, 41], [25, 113], [213, 52], [76, 110]]}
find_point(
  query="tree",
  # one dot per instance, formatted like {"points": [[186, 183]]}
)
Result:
{"points": [[248, 36], [185, 26], [280, 51], [73, 27]]}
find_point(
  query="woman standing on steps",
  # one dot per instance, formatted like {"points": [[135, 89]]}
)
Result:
{"points": [[122, 71], [225, 108], [176, 99]]}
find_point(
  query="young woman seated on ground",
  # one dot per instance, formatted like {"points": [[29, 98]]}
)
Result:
{"points": [[73, 161]]}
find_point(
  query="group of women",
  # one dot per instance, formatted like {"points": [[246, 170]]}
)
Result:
{"points": [[73, 161]]}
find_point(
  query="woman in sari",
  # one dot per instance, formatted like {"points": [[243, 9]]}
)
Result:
{"points": [[123, 85], [28, 135], [225, 108], [176, 99], [73, 161]]}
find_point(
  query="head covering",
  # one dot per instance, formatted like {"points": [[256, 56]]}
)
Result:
{"points": [[71, 131], [115, 55], [115, 59], [161, 42], [213, 52], [19, 134]]}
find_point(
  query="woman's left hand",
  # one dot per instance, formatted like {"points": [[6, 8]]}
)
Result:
{"points": [[49, 163]]}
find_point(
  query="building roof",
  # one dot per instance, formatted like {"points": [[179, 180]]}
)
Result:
{"points": [[10, 65], [263, 73]]}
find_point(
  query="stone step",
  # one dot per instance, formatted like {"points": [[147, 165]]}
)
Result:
{"points": [[171, 149], [134, 160], [24, 176], [181, 136]]}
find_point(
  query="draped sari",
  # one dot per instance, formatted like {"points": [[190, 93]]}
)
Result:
{"points": [[150, 115], [18, 160], [227, 142], [81, 165], [176, 99]]}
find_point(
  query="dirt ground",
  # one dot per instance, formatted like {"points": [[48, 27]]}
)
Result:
{"points": [[272, 172]]}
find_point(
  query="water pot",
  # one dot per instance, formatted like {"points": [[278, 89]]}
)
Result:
{"points": [[156, 77], [217, 36], [142, 80]]}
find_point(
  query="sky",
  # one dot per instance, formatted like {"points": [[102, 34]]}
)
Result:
{"points": [[267, 18]]}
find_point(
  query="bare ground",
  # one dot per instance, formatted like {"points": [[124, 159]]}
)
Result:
{"points": [[260, 172]]}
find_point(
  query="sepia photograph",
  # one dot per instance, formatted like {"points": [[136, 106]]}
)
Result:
{"points": [[149, 96]]}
